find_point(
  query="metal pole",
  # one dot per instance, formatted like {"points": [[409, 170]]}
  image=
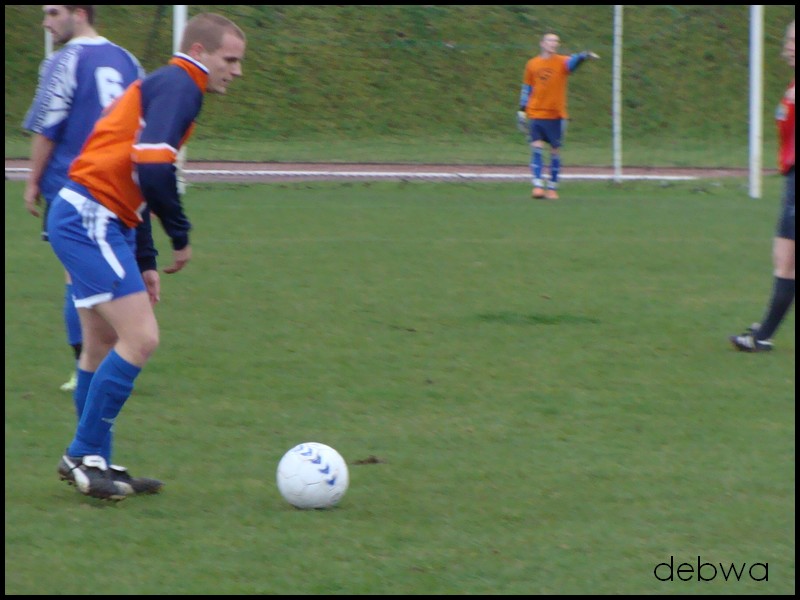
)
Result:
{"points": [[756, 97], [178, 23], [617, 94]]}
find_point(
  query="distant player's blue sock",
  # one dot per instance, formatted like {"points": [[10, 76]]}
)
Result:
{"points": [[555, 167], [111, 386], [79, 398], [71, 319], [536, 164]]}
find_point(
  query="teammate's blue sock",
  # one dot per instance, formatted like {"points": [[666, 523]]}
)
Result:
{"points": [[536, 164], [555, 168], [79, 398], [111, 386], [81, 391], [71, 319]]}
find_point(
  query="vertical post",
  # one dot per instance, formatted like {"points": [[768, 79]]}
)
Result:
{"points": [[756, 97], [617, 94], [179, 12], [178, 23], [48, 43]]}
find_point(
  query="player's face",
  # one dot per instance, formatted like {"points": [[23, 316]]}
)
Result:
{"points": [[224, 64], [59, 22], [550, 43], [788, 46]]}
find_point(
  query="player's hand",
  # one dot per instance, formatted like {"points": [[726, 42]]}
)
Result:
{"points": [[179, 259], [522, 121], [152, 281], [33, 199]]}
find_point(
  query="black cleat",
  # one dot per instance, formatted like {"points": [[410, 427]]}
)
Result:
{"points": [[747, 342], [90, 474], [134, 485]]}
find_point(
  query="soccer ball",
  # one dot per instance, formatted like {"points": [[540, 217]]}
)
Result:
{"points": [[312, 475]]}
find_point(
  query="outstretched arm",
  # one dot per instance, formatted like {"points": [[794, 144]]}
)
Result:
{"points": [[575, 60]]}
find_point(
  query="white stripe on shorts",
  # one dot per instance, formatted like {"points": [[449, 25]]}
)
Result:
{"points": [[95, 219]]}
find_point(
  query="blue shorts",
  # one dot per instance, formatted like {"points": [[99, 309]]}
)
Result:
{"points": [[548, 130], [96, 248], [785, 227]]}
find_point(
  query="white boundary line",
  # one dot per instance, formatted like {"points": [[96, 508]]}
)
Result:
{"points": [[400, 175]]}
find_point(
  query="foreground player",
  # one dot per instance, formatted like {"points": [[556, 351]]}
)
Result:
{"points": [[542, 111], [99, 227], [75, 85], [758, 338]]}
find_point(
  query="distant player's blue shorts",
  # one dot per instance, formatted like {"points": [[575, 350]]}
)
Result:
{"points": [[96, 248], [548, 130], [785, 227]]}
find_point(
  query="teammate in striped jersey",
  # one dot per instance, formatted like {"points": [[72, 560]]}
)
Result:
{"points": [[75, 84]]}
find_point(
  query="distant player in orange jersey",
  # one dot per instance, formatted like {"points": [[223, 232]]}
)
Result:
{"points": [[542, 114], [758, 338], [99, 227]]}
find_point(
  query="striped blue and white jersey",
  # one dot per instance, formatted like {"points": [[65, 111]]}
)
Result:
{"points": [[75, 84]]}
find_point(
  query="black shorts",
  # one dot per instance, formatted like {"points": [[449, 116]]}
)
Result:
{"points": [[785, 227]]}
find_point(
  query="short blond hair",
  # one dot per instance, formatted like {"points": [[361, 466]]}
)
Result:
{"points": [[208, 30]]}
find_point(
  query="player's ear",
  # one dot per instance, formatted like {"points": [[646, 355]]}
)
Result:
{"points": [[196, 50], [81, 14]]}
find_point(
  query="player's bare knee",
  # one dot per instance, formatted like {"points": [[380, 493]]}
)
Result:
{"points": [[148, 344]]}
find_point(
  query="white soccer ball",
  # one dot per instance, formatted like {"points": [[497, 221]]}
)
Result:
{"points": [[312, 475]]}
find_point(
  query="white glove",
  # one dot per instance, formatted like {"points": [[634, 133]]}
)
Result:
{"points": [[522, 121]]}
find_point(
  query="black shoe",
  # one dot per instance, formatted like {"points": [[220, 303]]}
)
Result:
{"points": [[90, 474], [134, 485], [747, 342]]}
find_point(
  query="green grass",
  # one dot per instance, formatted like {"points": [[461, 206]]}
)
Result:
{"points": [[440, 83], [549, 386]]}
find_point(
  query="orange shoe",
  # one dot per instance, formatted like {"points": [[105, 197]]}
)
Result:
{"points": [[551, 194], [537, 193]]}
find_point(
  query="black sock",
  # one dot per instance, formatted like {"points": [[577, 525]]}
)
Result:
{"points": [[77, 349], [782, 298]]}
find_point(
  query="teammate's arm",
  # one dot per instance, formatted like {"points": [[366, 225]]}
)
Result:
{"points": [[41, 150]]}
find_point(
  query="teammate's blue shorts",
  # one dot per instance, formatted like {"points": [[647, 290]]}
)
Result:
{"points": [[96, 248], [548, 130], [785, 227]]}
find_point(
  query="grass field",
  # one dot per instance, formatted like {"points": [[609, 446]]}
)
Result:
{"points": [[548, 388]]}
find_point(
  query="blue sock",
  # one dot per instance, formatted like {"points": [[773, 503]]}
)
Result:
{"points": [[536, 164], [555, 167], [81, 390], [79, 398], [111, 386], [71, 319]]}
